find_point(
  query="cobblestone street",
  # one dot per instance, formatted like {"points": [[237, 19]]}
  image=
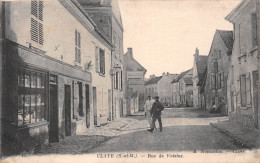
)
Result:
{"points": [[185, 129]]}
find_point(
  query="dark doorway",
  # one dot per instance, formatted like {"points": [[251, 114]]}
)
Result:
{"points": [[67, 101], [54, 130], [87, 106], [255, 95], [95, 105]]}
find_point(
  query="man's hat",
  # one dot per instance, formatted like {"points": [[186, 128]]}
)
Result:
{"points": [[156, 97]]}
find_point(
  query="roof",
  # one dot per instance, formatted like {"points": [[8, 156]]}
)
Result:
{"points": [[180, 76], [188, 80], [201, 65], [227, 37], [153, 80], [105, 3]]}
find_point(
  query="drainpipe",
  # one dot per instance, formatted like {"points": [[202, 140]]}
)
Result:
{"points": [[258, 50], [112, 88]]}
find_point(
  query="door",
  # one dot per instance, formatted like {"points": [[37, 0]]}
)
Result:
{"points": [[255, 95], [109, 104], [67, 101], [95, 105], [54, 130], [232, 101], [87, 106]]}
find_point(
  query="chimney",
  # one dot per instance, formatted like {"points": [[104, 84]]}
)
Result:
{"points": [[130, 52], [152, 76], [196, 55]]}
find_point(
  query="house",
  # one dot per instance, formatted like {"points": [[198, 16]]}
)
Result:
{"points": [[151, 86], [134, 83], [107, 17], [182, 89], [217, 71], [48, 80], [242, 89], [202, 83], [160, 86], [199, 66]]}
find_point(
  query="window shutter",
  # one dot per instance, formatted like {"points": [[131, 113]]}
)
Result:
{"points": [[34, 30], [238, 91], [222, 79], [41, 10], [40, 33], [248, 89], [97, 58], [34, 8], [254, 29]]}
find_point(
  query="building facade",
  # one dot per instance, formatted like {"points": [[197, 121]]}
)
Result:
{"points": [[182, 89], [217, 70], [48, 91], [242, 91], [199, 66], [106, 14], [151, 86], [134, 83]]}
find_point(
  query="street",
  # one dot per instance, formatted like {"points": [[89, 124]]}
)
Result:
{"points": [[183, 130]]}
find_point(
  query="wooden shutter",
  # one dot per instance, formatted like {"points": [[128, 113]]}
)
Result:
{"points": [[243, 89], [40, 10], [34, 30], [238, 92], [254, 29], [248, 89], [222, 80], [34, 8], [97, 58]]}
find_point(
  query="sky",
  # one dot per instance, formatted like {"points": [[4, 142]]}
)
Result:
{"points": [[165, 33]]}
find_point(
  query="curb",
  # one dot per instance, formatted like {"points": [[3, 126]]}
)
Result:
{"points": [[238, 141]]}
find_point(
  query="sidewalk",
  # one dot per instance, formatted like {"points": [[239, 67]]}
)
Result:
{"points": [[244, 136], [79, 144]]}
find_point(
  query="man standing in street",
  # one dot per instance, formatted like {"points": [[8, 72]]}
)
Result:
{"points": [[147, 108], [156, 113]]}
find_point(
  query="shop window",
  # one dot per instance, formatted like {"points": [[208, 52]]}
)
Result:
{"points": [[32, 101], [77, 47], [37, 21]]}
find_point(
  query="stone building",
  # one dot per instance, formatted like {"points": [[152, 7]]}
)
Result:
{"points": [[48, 80], [242, 89], [106, 14], [134, 83], [217, 71], [199, 66], [160, 86], [182, 89]]}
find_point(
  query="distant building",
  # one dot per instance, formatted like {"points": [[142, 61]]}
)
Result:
{"points": [[199, 66], [160, 86], [217, 71], [182, 89], [134, 83], [243, 80]]}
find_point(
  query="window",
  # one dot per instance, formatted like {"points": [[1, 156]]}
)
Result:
{"points": [[102, 61], [215, 67], [81, 113], [232, 74], [243, 89], [32, 100], [222, 80], [213, 81], [77, 47], [254, 29], [36, 21], [116, 81]]}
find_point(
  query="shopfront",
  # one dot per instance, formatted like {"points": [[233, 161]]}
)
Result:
{"points": [[45, 99]]}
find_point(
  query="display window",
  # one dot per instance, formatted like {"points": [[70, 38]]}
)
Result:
{"points": [[32, 93]]}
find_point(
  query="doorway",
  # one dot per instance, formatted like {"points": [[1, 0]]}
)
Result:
{"points": [[87, 106], [67, 101], [54, 130], [95, 105], [255, 95]]}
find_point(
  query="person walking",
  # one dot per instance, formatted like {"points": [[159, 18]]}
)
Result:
{"points": [[147, 108], [156, 113]]}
